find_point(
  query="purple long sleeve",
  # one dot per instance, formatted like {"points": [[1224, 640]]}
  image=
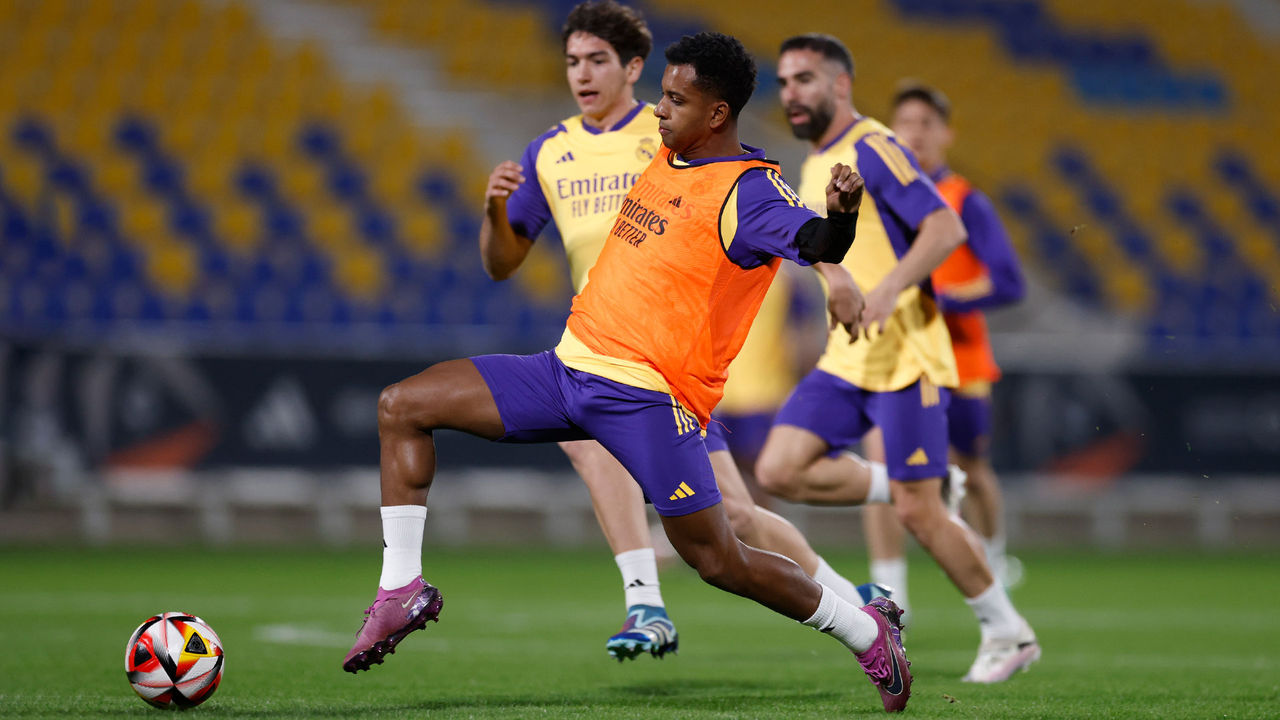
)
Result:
{"points": [[990, 244]]}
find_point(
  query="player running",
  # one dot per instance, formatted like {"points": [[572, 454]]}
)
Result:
{"points": [[577, 175], [979, 275], [642, 363], [895, 373]]}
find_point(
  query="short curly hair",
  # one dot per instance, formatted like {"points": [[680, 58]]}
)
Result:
{"points": [[927, 94], [722, 66], [828, 46], [622, 27]]}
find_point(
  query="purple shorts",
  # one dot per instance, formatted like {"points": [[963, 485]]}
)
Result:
{"points": [[969, 424], [741, 435], [913, 421], [541, 400]]}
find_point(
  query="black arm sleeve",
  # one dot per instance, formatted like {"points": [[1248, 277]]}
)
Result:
{"points": [[827, 240]]}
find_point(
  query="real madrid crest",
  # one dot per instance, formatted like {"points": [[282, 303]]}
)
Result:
{"points": [[646, 149]]}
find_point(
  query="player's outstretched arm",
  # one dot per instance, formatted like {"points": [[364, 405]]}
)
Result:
{"points": [[502, 249], [940, 232]]}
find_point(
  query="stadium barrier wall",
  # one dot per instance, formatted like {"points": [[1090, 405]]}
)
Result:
{"points": [[102, 410], [518, 506]]}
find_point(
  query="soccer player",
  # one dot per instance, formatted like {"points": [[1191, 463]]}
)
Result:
{"points": [[642, 362], [981, 274], [894, 373], [578, 175]]}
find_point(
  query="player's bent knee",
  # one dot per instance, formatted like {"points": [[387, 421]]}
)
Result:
{"points": [[742, 517], [776, 478], [397, 408], [716, 565], [389, 405], [715, 570], [919, 518]]}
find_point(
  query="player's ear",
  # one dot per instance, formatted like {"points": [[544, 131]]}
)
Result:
{"points": [[720, 114], [843, 85], [633, 68]]}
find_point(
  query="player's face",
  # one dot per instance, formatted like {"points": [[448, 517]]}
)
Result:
{"points": [[807, 89], [686, 115], [922, 129], [597, 77]]}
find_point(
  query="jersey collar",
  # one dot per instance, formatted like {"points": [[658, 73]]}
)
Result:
{"points": [[856, 119], [752, 153], [618, 125]]}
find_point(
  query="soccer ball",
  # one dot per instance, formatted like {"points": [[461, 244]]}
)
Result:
{"points": [[174, 660]]}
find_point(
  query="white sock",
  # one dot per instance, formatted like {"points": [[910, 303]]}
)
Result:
{"points": [[401, 544], [892, 573], [995, 612], [843, 621], [837, 582], [879, 490], [639, 570], [994, 549]]}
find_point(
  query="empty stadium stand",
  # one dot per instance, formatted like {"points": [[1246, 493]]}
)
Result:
{"points": [[167, 168]]}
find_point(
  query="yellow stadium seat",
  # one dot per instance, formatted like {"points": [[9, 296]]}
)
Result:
{"points": [[358, 271], [172, 267]]}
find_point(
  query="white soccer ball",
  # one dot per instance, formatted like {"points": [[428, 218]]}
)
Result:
{"points": [[174, 660]]}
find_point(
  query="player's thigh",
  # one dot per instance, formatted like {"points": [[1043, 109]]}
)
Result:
{"points": [[738, 502], [593, 462], [873, 445], [789, 449], [451, 394], [528, 393], [913, 425], [705, 539], [823, 414]]}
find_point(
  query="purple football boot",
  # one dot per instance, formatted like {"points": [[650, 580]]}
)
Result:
{"points": [[885, 662], [392, 616]]}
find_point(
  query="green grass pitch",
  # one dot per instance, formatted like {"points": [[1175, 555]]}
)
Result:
{"points": [[1155, 635]]}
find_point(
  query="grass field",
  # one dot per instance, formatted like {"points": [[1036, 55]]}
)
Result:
{"points": [[522, 632]]}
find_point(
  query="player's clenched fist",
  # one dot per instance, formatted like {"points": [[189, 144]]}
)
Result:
{"points": [[503, 181], [844, 192]]}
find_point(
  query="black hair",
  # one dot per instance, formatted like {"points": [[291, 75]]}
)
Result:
{"points": [[622, 27], [721, 66], [926, 94], [826, 45]]}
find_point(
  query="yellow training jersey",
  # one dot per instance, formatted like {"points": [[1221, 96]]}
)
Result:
{"points": [[578, 176], [762, 375], [898, 196]]}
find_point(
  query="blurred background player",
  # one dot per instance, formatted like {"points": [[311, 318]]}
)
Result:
{"points": [[895, 372], [979, 275], [578, 174]]}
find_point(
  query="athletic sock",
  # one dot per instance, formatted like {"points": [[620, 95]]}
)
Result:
{"points": [[996, 616], [639, 570], [837, 582], [994, 547], [879, 490], [892, 573], [401, 544], [844, 621]]}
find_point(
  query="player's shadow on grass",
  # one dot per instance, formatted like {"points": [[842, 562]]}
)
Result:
{"points": [[718, 696]]}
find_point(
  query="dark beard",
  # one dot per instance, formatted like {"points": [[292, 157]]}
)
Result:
{"points": [[819, 120]]}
